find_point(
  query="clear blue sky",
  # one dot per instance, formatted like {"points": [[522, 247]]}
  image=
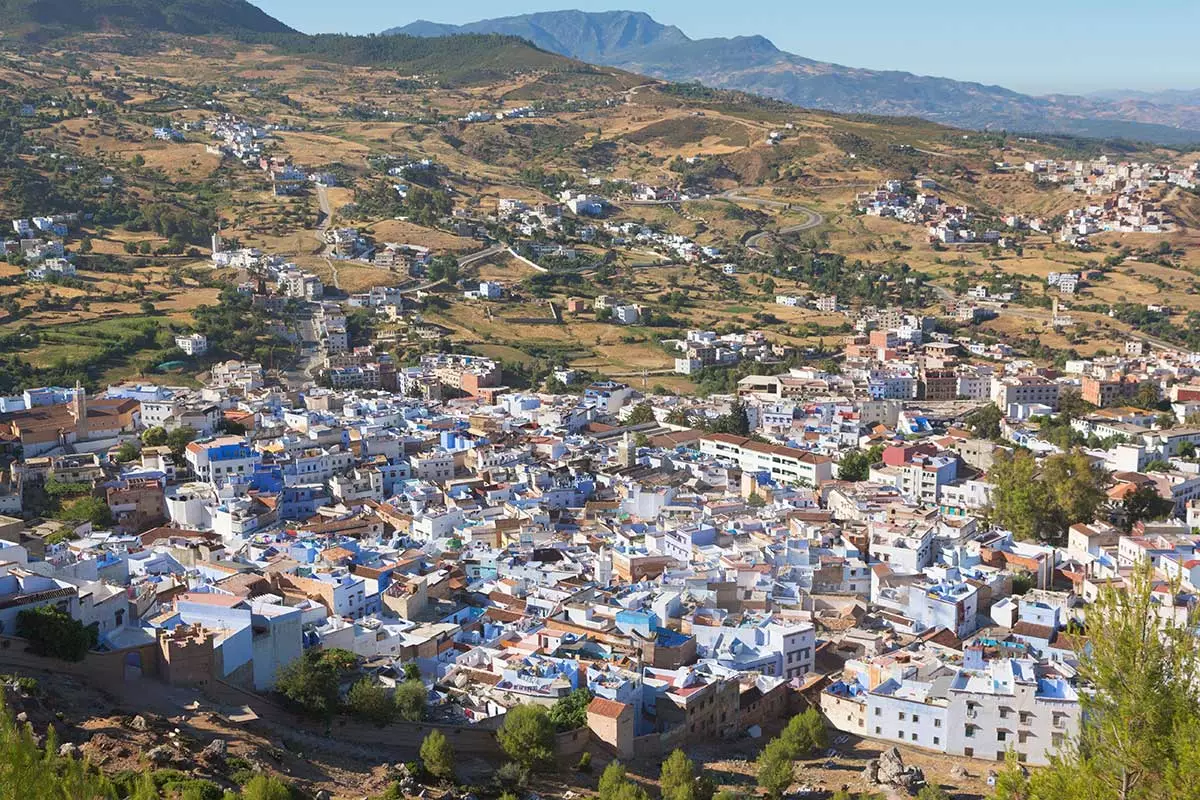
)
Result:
{"points": [[1027, 45]]}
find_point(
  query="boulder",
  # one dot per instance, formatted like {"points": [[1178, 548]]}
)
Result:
{"points": [[216, 750], [892, 771], [68, 750], [138, 723], [959, 772], [161, 755]]}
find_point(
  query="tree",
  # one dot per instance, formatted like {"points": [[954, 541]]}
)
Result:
{"points": [[412, 672], [88, 509], [410, 701], [1069, 490], [616, 785], [370, 701], [1076, 489], [438, 755], [311, 682], [775, 768], [1018, 501], [804, 733], [128, 451], [985, 422], [527, 736], [154, 437], [32, 770], [641, 414], [856, 465], [1145, 503], [677, 780], [1141, 713], [678, 416], [179, 439], [55, 633], [570, 712], [266, 787]]}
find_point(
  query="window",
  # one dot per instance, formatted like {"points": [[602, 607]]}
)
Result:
{"points": [[914, 737], [969, 752], [878, 729], [916, 718], [1001, 736], [969, 732], [937, 723], [936, 740], [878, 712], [900, 716], [1004, 712]]}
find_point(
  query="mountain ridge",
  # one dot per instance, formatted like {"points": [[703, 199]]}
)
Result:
{"points": [[635, 41], [193, 17]]}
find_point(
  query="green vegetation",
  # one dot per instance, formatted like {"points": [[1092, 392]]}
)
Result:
{"points": [[1043, 505], [438, 756], [527, 736], [410, 700], [856, 465], [88, 509], [615, 784], [54, 633], [678, 779], [570, 712], [1141, 716], [370, 701], [310, 683]]}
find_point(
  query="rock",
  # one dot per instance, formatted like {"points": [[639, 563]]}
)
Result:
{"points": [[217, 749], [68, 750], [871, 771], [22, 718], [959, 772], [892, 771], [139, 723], [321, 795], [161, 755]]}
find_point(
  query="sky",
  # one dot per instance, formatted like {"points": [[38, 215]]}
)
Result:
{"points": [[1036, 47]]}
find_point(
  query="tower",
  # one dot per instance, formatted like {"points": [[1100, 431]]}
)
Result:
{"points": [[627, 451], [604, 567], [79, 412], [216, 243]]}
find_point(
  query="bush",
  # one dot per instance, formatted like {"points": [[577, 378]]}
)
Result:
{"points": [[570, 711], [51, 632], [370, 701], [585, 762], [511, 775], [410, 701], [266, 787]]}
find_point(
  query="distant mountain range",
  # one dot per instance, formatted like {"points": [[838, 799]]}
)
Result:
{"points": [[636, 42]]}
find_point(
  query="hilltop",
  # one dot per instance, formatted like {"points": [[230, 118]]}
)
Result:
{"points": [[193, 17], [634, 41]]}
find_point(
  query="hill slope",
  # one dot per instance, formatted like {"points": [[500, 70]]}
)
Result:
{"points": [[194, 17], [634, 41]]}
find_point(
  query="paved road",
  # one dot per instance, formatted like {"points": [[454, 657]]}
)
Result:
{"points": [[812, 220]]}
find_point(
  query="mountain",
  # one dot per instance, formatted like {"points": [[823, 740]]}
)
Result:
{"points": [[41, 18], [634, 41]]}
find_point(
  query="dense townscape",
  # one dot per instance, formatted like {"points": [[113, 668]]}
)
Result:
{"points": [[411, 417]]}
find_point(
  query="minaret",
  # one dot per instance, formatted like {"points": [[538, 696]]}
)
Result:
{"points": [[216, 243], [79, 412], [627, 451]]}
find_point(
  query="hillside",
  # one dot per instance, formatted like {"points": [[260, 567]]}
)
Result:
{"points": [[636, 42], [193, 17]]}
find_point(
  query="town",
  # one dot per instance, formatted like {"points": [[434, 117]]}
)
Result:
{"points": [[441, 417]]}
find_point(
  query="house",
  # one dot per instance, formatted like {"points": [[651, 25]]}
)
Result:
{"points": [[195, 344]]}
